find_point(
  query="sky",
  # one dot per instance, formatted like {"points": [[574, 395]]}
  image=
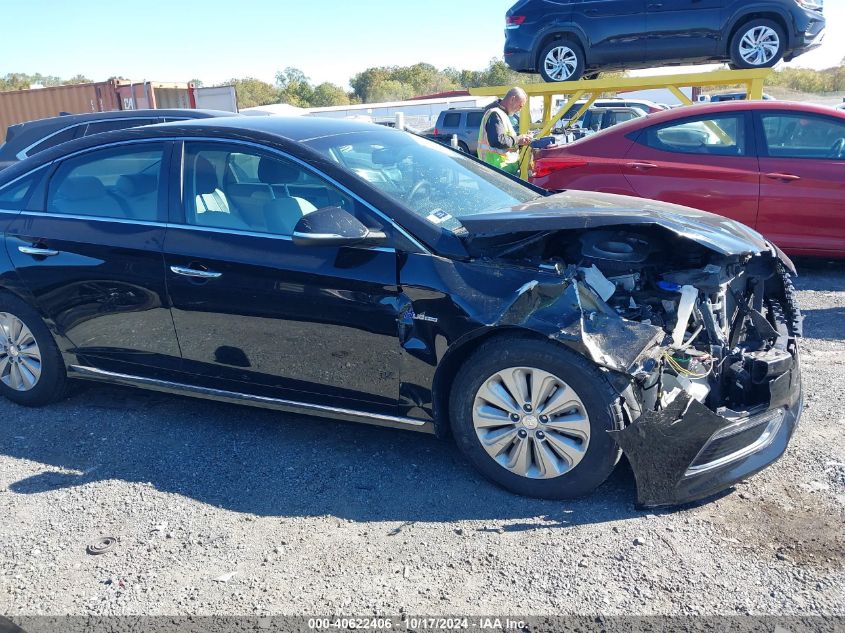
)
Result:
{"points": [[214, 40]]}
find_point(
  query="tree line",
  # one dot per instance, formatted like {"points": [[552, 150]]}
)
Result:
{"points": [[398, 83]]}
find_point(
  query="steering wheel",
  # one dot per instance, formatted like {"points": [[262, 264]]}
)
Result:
{"points": [[422, 187], [838, 148]]}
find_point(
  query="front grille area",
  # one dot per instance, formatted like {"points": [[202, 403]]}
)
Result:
{"points": [[736, 441]]}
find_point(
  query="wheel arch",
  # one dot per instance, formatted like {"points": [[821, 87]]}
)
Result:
{"points": [[759, 13], [456, 356], [566, 33]]}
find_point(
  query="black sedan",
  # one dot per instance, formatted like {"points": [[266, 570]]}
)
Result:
{"points": [[348, 270]]}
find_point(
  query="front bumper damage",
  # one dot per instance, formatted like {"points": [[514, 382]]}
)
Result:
{"points": [[684, 452]]}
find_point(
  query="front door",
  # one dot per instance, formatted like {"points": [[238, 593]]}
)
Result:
{"points": [[91, 255], [802, 182], [256, 313], [683, 29], [705, 162], [616, 29]]}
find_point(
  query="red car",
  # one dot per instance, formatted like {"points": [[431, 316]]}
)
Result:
{"points": [[777, 167]]}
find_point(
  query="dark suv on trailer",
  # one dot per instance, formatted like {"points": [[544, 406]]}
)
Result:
{"points": [[564, 40]]}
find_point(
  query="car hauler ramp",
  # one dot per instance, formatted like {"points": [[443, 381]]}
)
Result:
{"points": [[593, 89]]}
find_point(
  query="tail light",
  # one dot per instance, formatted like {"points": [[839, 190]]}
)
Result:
{"points": [[436, 132], [547, 166], [514, 21]]}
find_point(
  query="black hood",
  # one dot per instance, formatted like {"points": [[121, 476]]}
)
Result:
{"points": [[578, 210]]}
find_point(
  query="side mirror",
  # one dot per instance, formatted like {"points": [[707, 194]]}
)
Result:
{"points": [[332, 226]]}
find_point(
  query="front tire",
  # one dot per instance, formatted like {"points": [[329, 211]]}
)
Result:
{"points": [[32, 372], [534, 417], [758, 44], [560, 61]]}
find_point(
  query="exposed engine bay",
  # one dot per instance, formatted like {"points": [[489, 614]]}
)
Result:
{"points": [[700, 345], [727, 320]]}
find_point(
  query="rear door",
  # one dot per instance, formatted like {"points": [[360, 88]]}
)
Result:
{"points": [[90, 252], [683, 29], [258, 314], [615, 29], [704, 162], [802, 182]]}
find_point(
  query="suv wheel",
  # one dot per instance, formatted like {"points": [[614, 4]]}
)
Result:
{"points": [[561, 60], [32, 372], [758, 44], [533, 417]]}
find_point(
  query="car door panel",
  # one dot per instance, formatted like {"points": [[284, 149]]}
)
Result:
{"points": [[306, 323], [617, 29], [801, 184], [683, 29], [727, 185]]}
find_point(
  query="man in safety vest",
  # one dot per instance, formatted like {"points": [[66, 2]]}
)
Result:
{"points": [[498, 142]]}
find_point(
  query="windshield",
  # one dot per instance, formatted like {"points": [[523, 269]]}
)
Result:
{"points": [[438, 184]]}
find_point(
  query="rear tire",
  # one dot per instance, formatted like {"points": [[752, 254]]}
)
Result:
{"points": [[758, 44], [32, 371], [561, 61], [463, 147], [564, 435]]}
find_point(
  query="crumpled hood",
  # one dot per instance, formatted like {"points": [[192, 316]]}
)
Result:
{"points": [[572, 210]]}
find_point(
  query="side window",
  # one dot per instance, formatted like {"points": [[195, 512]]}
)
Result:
{"points": [[68, 134], [453, 119], [804, 136], [122, 183], [108, 126], [234, 187], [14, 196], [717, 136], [474, 120]]}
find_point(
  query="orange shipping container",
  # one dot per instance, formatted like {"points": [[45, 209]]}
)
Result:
{"points": [[18, 106]]}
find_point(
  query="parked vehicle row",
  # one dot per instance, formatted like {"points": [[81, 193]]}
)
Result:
{"points": [[566, 40], [774, 166], [344, 269]]}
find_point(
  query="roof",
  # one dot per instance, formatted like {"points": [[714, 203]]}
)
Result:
{"points": [[24, 134], [292, 128]]}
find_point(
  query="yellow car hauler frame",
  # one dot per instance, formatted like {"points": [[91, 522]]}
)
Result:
{"points": [[593, 89]]}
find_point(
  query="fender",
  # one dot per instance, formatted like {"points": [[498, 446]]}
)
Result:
{"points": [[757, 7], [569, 29]]}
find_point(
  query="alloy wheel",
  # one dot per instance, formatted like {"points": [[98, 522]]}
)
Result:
{"points": [[531, 422], [759, 46], [561, 63], [20, 357]]}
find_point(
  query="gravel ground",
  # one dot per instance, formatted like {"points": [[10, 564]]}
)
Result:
{"points": [[225, 510]]}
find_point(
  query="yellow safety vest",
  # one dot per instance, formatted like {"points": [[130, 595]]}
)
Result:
{"points": [[505, 159]]}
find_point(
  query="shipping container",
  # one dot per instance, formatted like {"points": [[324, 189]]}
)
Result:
{"points": [[17, 106]]}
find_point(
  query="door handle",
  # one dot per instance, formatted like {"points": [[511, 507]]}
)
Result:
{"points": [[783, 177], [641, 165], [37, 252], [592, 11], [196, 274]]}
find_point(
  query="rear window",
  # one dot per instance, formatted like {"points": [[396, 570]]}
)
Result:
{"points": [[15, 195], [453, 119], [718, 135], [122, 124], [474, 119], [63, 136]]}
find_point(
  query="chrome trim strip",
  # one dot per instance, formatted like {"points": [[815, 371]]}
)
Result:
{"points": [[92, 218], [92, 373], [198, 274], [766, 438]]}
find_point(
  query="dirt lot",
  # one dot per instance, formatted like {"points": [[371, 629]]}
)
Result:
{"points": [[226, 510]]}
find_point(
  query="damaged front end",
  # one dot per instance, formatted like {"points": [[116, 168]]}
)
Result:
{"points": [[699, 342]]}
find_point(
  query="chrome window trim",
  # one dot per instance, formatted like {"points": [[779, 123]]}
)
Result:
{"points": [[182, 139], [175, 227], [24, 152]]}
